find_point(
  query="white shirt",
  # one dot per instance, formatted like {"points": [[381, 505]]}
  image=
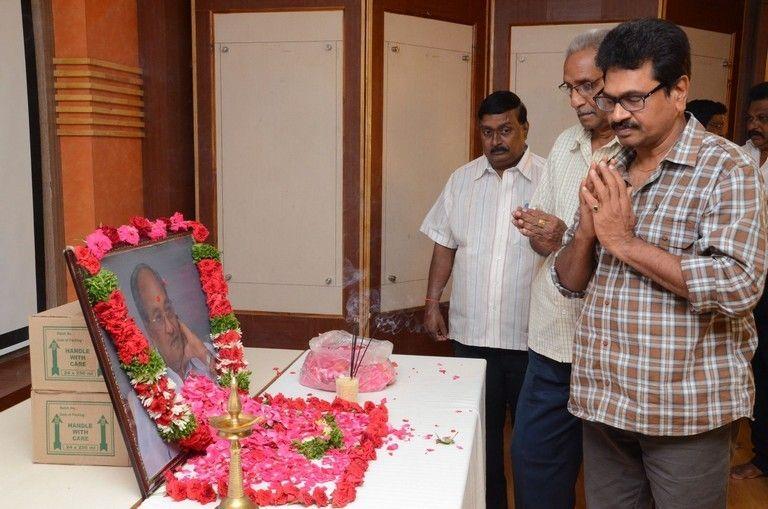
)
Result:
{"points": [[553, 317], [494, 263], [754, 153]]}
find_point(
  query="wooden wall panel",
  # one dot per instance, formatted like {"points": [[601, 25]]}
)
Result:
{"points": [[726, 16], [536, 12], [165, 52], [471, 12], [287, 330]]}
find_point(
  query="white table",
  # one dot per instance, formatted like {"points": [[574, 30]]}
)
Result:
{"points": [[413, 477], [26, 484]]}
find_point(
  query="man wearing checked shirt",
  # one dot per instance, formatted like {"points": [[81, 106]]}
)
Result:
{"points": [[668, 249]]}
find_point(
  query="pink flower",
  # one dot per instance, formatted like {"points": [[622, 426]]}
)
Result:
{"points": [[178, 222], [158, 230], [128, 234], [98, 243]]}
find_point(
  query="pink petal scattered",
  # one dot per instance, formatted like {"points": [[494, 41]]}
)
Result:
{"points": [[392, 447], [459, 447], [458, 411], [455, 377]]}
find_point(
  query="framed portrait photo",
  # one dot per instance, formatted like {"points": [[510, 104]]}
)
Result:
{"points": [[151, 309]]}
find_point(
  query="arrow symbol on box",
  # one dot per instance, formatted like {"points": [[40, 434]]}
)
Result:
{"points": [[54, 346], [103, 426], [56, 432]]}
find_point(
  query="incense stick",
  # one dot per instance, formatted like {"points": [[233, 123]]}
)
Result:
{"points": [[362, 356]]}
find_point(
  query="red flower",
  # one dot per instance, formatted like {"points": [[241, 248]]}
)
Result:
{"points": [[175, 488], [227, 338], [218, 305], [111, 234], [343, 494], [86, 260], [201, 491], [321, 499], [199, 232], [199, 440], [263, 497], [231, 354], [304, 497], [142, 224], [222, 484]]}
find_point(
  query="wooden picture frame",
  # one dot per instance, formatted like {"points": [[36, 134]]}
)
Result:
{"points": [[173, 267]]}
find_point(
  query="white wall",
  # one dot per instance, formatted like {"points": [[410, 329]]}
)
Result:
{"points": [[17, 246]]}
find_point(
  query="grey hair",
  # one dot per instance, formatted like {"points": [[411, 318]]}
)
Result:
{"points": [[590, 39]]}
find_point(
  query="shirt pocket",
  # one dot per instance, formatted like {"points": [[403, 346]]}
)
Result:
{"points": [[677, 235]]}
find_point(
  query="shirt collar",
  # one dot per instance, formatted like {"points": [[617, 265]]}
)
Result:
{"points": [[684, 152], [584, 137], [523, 166]]}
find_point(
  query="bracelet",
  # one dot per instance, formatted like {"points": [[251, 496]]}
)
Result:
{"points": [[427, 299]]}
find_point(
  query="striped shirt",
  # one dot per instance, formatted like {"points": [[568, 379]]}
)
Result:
{"points": [[494, 264], [646, 360], [553, 317], [754, 153]]}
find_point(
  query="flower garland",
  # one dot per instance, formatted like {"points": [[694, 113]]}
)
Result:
{"points": [[276, 472], [143, 364]]}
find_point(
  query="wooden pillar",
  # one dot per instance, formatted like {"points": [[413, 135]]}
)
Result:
{"points": [[99, 113]]}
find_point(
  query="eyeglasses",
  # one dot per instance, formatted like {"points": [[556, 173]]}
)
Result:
{"points": [[585, 90], [632, 102], [758, 119]]}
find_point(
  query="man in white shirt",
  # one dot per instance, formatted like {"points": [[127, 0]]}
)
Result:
{"points": [[546, 447], [492, 266], [757, 148]]}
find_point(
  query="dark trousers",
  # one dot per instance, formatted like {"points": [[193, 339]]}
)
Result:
{"points": [[504, 375], [546, 447], [760, 370], [628, 470]]}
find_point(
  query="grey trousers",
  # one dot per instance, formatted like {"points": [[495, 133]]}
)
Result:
{"points": [[628, 470]]}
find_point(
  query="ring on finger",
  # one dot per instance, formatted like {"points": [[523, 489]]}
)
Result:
{"points": [[542, 222]]}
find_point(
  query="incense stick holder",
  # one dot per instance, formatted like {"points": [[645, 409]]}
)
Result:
{"points": [[347, 388]]}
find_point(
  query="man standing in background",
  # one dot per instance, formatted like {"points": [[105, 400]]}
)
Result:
{"points": [[757, 148], [492, 266], [546, 446]]}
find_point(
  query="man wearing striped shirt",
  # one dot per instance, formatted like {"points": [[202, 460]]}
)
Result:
{"points": [[546, 445], [668, 248], [492, 266]]}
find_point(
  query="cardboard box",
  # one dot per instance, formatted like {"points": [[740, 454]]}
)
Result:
{"points": [[76, 429], [62, 356]]}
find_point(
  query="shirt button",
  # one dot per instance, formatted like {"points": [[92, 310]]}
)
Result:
{"points": [[665, 238], [605, 344], [607, 302]]}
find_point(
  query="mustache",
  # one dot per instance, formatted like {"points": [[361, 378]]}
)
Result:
{"points": [[624, 124], [755, 133], [499, 150], [584, 111]]}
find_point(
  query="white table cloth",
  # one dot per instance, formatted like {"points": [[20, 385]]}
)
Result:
{"points": [[27, 484], [435, 395]]}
